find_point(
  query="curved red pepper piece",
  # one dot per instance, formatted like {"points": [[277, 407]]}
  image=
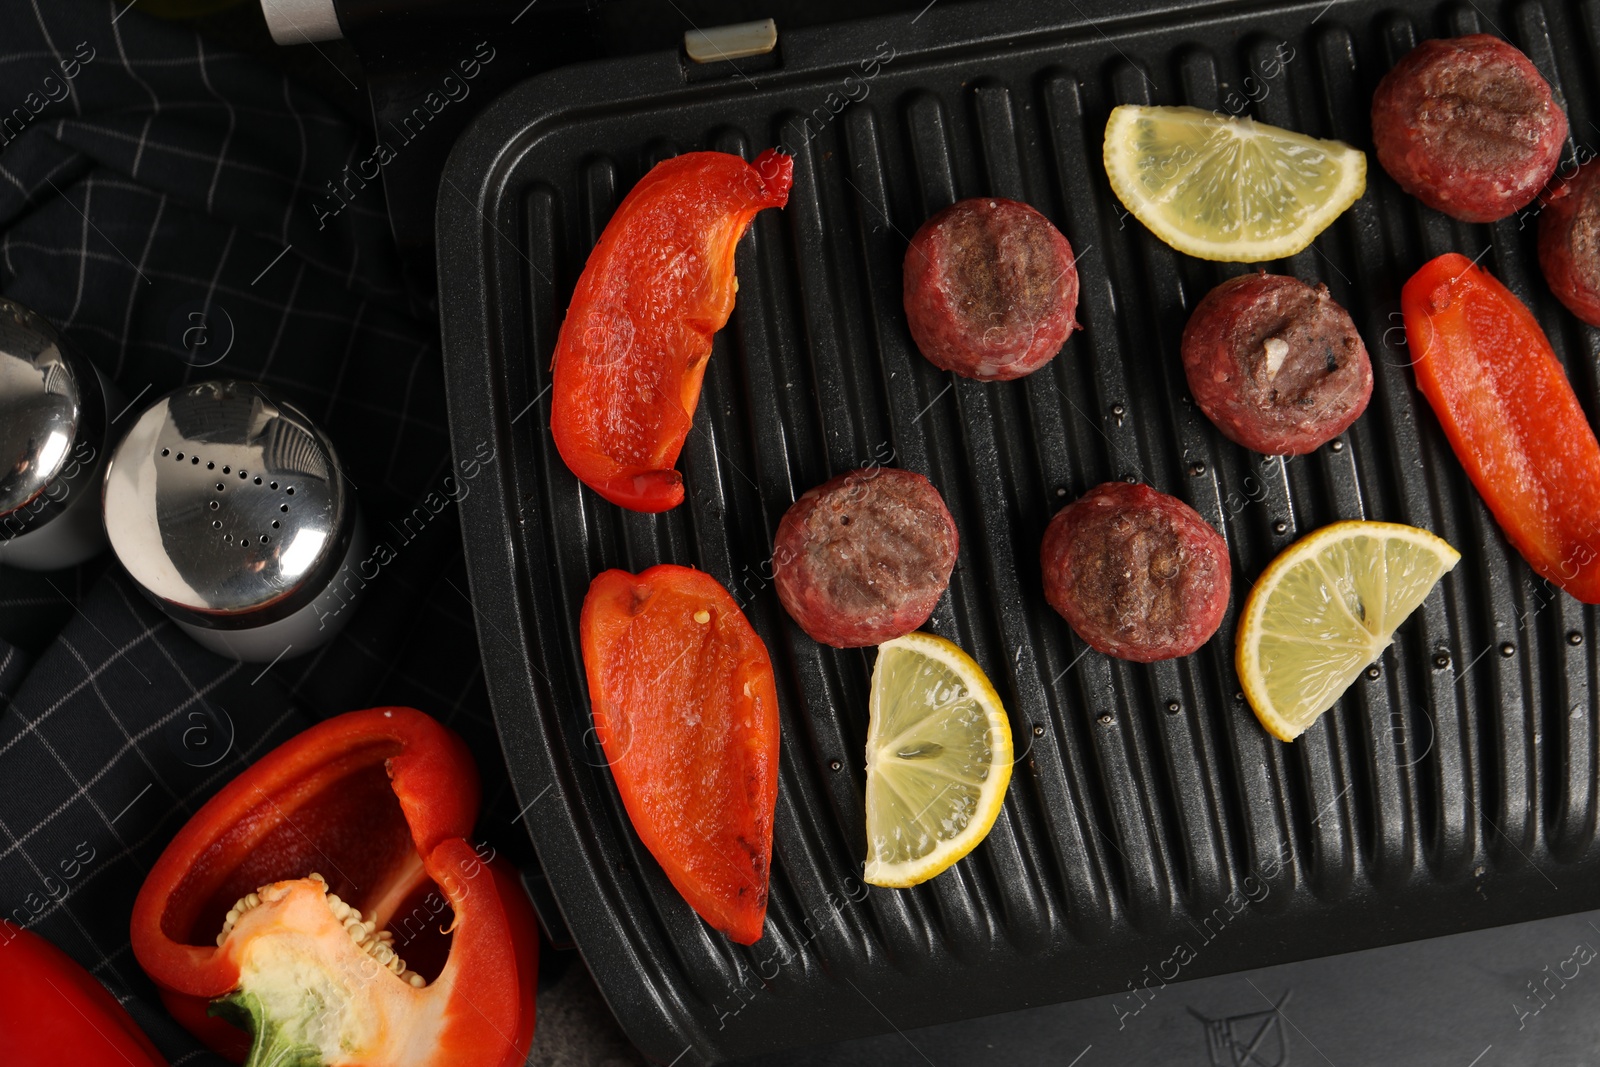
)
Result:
{"points": [[1511, 416], [633, 347], [687, 711], [54, 1014], [379, 804]]}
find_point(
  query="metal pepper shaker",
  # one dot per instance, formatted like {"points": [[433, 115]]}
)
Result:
{"points": [[231, 511], [54, 430]]}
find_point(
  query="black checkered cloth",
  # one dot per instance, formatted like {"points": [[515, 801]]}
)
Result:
{"points": [[143, 173]]}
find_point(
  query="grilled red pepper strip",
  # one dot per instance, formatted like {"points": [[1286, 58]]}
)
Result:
{"points": [[634, 345], [687, 712], [54, 1014], [248, 912], [1511, 416]]}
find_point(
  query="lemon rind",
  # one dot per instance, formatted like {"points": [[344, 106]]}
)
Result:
{"points": [[1352, 185], [992, 792], [1250, 679]]}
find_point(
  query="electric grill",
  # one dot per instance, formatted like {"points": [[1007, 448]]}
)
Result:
{"points": [[1455, 788]]}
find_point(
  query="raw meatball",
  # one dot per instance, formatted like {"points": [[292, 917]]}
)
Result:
{"points": [[865, 557], [990, 289], [1138, 574], [1569, 242], [1276, 364], [1468, 126]]}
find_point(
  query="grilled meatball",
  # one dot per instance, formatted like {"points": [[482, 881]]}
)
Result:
{"points": [[990, 289], [865, 557], [1276, 364], [1468, 126], [1138, 574], [1569, 242]]}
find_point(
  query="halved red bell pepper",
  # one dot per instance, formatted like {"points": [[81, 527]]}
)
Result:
{"points": [[54, 1014], [687, 711], [633, 348], [1511, 416], [327, 901]]}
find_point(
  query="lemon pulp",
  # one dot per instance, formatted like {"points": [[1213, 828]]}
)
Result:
{"points": [[938, 759], [1324, 610], [1228, 188]]}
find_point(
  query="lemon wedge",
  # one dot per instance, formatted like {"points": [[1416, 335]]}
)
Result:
{"points": [[1225, 188], [1324, 610], [938, 759]]}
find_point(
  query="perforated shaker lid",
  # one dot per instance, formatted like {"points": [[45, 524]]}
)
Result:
{"points": [[227, 506]]}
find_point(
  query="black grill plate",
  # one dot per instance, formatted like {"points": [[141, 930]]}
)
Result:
{"points": [[1432, 799]]}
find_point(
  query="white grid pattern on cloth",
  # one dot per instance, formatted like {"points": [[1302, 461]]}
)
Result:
{"points": [[233, 119], [154, 167], [133, 286], [49, 42], [155, 101], [83, 262], [88, 679]]}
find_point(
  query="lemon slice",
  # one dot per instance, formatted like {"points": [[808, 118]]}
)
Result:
{"points": [[1228, 188], [938, 759], [1324, 610]]}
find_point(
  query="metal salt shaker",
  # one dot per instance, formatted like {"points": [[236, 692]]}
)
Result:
{"points": [[230, 510], [54, 433]]}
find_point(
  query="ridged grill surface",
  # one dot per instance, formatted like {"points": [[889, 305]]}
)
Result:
{"points": [[1457, 789]]}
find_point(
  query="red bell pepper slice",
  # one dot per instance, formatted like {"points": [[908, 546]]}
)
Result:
{"points": [[687, 711], [54, 1014], [1511, 416], [633, 348], [377, 804]]}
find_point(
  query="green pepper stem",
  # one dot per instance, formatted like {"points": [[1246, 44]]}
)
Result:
{"points": [[272, 1045]]}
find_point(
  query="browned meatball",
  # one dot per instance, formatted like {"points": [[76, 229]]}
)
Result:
{"points": [[1569, 242], [865, 557], [1138, 574], [1468, 126], [991, 289], [1276, 364]]}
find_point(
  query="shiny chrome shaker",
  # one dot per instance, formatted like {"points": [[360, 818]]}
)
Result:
{"points": [[54, 430], [230, 510]]}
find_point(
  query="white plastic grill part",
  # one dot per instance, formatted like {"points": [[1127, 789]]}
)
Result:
{"points": [[737, 41], [301, 21]]}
